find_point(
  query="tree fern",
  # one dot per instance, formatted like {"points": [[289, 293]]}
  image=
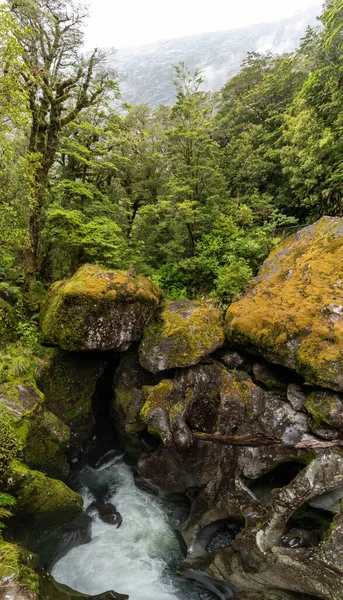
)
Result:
{"points": [[6, 502]]}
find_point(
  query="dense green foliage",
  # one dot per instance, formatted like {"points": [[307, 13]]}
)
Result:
{"points": [[9, 445], [6, 502], [194, 195]]}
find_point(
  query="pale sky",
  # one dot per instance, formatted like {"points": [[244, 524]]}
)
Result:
{"points": [[125, 23]]}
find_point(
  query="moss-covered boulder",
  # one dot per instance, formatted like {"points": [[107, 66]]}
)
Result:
{"points": [[18, 579], [180, 336], [41, 502], [292, 313], [326, 413], [44, 437], [68, 382], [8, 323], [98, 310]]}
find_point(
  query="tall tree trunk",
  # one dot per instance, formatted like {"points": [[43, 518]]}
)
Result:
{"points": [[31, 253]]}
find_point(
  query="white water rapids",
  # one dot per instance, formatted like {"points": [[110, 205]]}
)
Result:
{"points": [[132, 559]]}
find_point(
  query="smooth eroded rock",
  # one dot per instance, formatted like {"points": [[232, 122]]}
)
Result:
{"points": [[180, 336], [52, 590], [98, 310], [292, 313]]}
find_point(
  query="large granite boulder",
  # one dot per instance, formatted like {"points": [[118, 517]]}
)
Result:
{"points": [[98, 310], [44, 437], [292, 313], [181, 335]]}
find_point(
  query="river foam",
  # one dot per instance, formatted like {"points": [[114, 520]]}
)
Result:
{"points": [[135, 559]]}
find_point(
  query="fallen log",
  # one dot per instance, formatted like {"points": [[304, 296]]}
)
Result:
{"points": [[237, 440]]}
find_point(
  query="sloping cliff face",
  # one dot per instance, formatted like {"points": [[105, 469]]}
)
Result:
{"points": [[250, 428], [146, 72]]}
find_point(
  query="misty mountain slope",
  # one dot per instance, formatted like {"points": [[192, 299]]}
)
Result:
{"points": [[146, 72]]}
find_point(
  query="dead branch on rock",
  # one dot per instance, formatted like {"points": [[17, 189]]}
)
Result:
{"points": [[237, 440]]}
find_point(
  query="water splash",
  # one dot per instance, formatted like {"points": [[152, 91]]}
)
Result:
{"points": [[135, 559]]}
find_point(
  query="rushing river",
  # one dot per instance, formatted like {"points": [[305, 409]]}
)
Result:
{"points": [[138, 558]]}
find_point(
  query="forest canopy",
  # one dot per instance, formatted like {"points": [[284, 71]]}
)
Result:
{"points": [[194, 195]]}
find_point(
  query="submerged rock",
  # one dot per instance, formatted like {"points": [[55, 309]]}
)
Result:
{"points": [[98, 310], [180, 336], [292, 313], [300, 538], [107, 513]]}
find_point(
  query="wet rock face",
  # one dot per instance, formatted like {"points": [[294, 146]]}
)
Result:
{"points": [[292, 313], [297, 566], [127, 400], [98, 310], [68, 383], [180, 336]]}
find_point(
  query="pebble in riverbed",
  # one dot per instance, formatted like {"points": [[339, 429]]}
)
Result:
{"points": [[223, 537]]}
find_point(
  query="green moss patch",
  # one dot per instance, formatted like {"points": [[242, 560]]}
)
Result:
{"points": [[181, 335], [17, 567], [44, 438], [42, 502], [8, 323]]}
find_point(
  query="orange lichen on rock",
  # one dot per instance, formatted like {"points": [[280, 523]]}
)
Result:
{"points": [[293, 311]]}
